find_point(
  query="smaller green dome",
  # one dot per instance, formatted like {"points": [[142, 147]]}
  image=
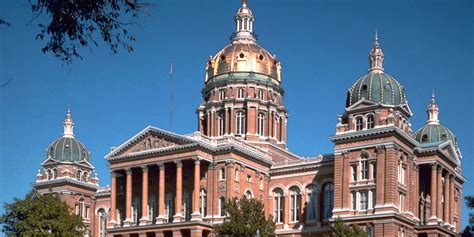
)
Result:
{"points": [[377, 87], [434, 133], [67, 149]]}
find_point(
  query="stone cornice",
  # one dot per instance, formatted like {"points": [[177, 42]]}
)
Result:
{"points": [[301, 166], [65, 180], [374, 132]]}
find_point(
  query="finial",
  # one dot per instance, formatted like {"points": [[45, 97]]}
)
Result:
{"points": [[68, 124], [376, 38], [376, 55], [433, 110], [244, 2], [433, 98]]}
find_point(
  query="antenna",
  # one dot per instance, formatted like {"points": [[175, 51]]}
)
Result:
{"points": [[171, 95]]}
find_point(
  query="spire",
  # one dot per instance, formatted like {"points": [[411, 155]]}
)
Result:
{"points": [[68, 125], [376, 55], [244, 23], [433, 110]]}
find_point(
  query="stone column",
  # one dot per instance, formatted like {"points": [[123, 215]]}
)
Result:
{"points": [[286, 211], [380, 179], [196, 216], [145, 220], [208, 123], [128, 199], [226, 121], [438, 195], [211, 193], [176, 233], [113, 198], [446, 199], [451, 200], [230, 179], [433, 217], [161, 218], [196, 233], [178, 217]]}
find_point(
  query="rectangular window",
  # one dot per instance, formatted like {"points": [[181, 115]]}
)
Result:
{"points": [[374, 198], [364, 169], [222, 174], [363, 200], [354, 201], [374, 170], [354, 172], [237, 175]]}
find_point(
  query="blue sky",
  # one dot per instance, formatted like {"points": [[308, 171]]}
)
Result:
{"points": [[322, 44]]}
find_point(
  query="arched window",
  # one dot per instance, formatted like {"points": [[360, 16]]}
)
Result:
{"points": [[278, 205], [248, 194], [222, 206], [186, 202], [311, 202], [260, 123], [424, 138], [237, 175], [240, 129], [78, 174], [260, 183], [370, 122], [364, 167], [84, 176], [295, 204], [221, 94], [81, 207], [260, 95], [359, 123], [328, 200], [169, 206], [102, 222], [220, 124], [203, 202], [240, 93], [49, 174]]}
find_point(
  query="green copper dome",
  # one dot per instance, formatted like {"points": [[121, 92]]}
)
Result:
{"points": [[434, 133], [377, 87], [67, 148]]}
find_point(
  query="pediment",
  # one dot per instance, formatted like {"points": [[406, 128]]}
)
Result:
{"points": [[362, 104], [150, 138]]}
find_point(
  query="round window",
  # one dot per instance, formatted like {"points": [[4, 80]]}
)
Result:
{"points": [[241, 55]]}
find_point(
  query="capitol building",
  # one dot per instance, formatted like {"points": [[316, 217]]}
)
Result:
{"points": [[383, 175]]}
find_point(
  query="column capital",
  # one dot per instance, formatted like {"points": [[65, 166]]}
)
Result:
{"points": [[178, 163], [128, 171], [113, 174], [434, 166], [197, 160], [212, 165], [439, 169], [230, 163], [161, 165], [380, 149], [451, 176], [144, 168]]}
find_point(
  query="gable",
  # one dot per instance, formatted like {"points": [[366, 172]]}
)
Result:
{"points": [[150, 138]]}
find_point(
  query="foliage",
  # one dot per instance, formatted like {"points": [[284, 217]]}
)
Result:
{"points": [[244, 218], [467, 232], [74, 24], [339, 229], [44, 215], [470, 204]]}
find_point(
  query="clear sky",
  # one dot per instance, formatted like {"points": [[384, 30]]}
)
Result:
{"points": [[323, 46]]}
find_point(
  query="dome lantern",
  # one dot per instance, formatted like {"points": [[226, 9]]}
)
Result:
{"points": [[244, 23], [376, 56], [433, 111]]}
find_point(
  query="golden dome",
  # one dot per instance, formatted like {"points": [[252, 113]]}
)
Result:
{"points": [[244, 56]]}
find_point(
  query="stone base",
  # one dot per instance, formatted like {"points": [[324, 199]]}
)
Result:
{"points": [[144, 221], [196, 216], [127, 223], [178, 218], [161, 219], [433, 220]]}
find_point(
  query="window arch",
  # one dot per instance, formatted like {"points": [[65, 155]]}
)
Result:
{"points": [[102, 222], [370, 121], [311, 202], [295, 203], [260, 123], [278, 205], [220, 124], [248, 194], [222, 206], [203, 202], [78, 174], [55, 173], [240, 128], [359, 123], [328, 200], [85, 176], [49, 174]]}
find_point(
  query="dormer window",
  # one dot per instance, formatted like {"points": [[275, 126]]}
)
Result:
{"points": [[359, 124], [424, 138], [370, 122]]}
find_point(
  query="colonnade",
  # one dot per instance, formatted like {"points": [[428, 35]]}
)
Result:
{"points": [[440, 214], [161, 218]]}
